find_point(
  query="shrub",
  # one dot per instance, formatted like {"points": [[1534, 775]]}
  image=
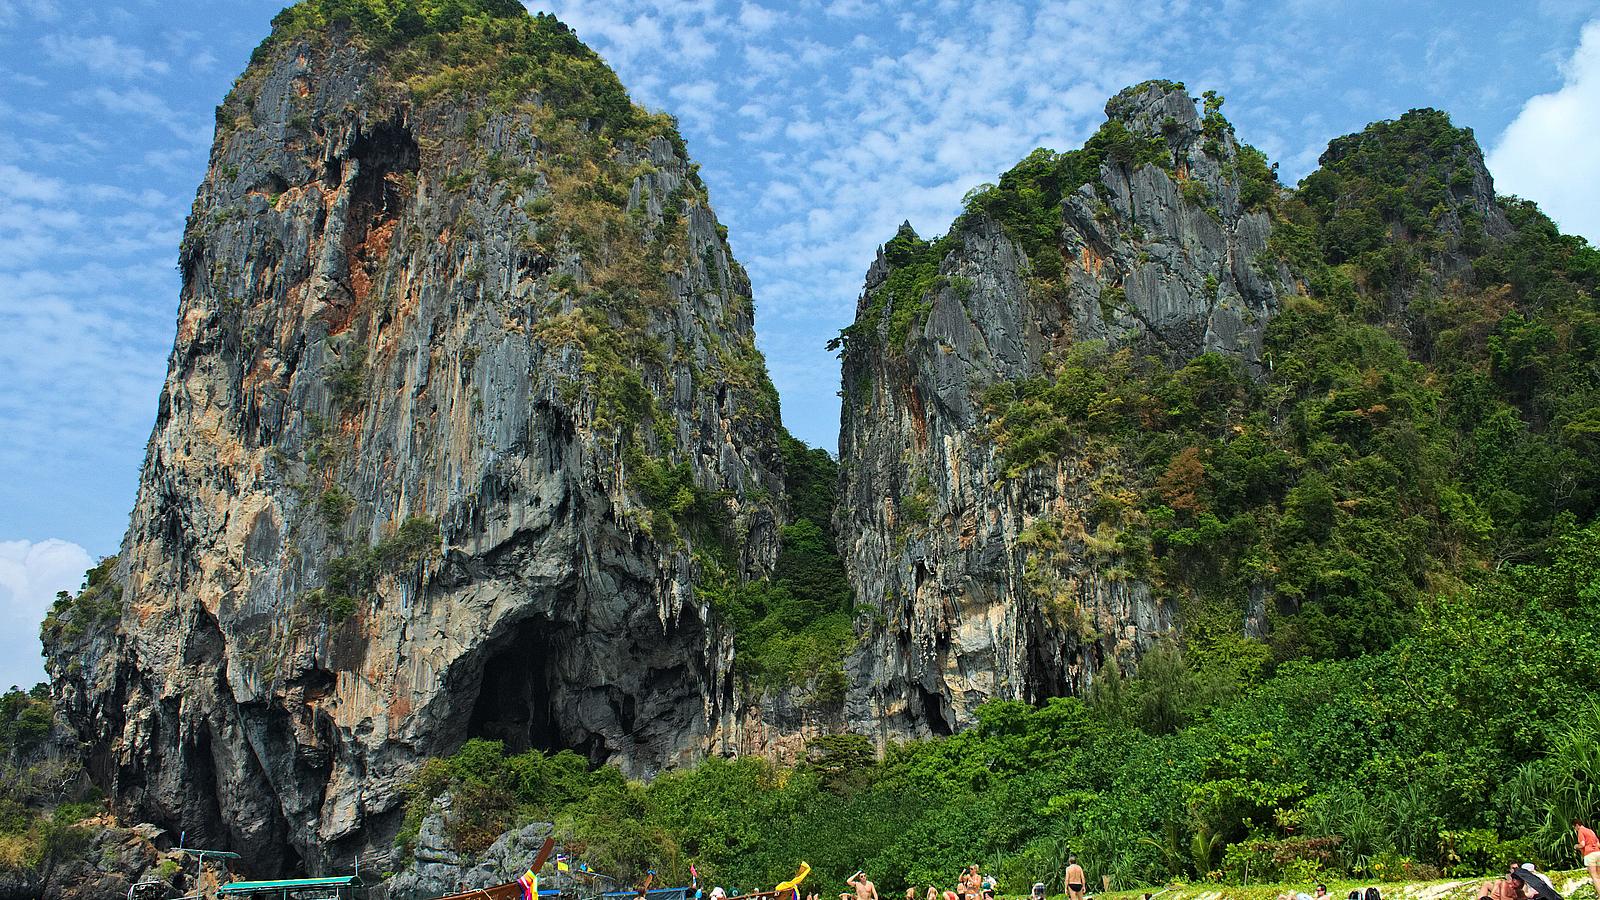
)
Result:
{"points": [[334, 506], [350, 578]]}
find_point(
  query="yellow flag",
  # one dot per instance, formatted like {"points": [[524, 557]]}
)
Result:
{"points": [[793, 884]]}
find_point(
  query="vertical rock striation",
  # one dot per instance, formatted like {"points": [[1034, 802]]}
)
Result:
{"points": [[464, 383], [1162, 249]]}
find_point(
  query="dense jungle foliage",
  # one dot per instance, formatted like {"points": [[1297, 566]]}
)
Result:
{"points": [[1466, 744], [1412, 482], [794, 628]]}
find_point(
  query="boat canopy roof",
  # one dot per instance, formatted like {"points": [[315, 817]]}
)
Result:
{"points": [[245, 888]]}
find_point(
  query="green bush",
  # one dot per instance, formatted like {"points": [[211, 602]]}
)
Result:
{"points": [[333, 506], [348, 380], [25, 720], [352, 577]]}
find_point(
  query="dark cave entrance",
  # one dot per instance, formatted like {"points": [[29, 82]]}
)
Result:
{"points": [[933, 708], [388, 149], [513, 702], [385, 157]]}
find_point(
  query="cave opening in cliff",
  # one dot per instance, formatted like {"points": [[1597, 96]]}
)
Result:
{"points": [[933, 713], [513, 703], [387, 149], [385, 158]]}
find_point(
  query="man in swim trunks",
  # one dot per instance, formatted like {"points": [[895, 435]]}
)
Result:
{"points": [[1076, 882], [864, 889]]}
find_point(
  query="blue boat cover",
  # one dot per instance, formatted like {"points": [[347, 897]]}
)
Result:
{"points": [[677, 893]]}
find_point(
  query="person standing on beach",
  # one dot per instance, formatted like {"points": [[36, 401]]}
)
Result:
{"points": [[970, 885], [1589, 852], [864, 889], [1076, 882]]}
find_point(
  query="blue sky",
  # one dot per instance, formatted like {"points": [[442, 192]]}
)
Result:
{"points": [[819, 125]]}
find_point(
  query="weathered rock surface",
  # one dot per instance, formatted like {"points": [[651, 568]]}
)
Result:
{"points": [[428, 349], [1165, 259], [437, 867], [98, 858]]}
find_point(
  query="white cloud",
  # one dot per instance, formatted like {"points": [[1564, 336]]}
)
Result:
{"points": [[754, 17], [19, 184], [23, 78], [1547, 154], [31, 572], [847, 9], [143, 104], [103, 55]]}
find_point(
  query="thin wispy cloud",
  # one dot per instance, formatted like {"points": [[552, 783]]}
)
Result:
{"points": [[102, 55], [19, 12], [145, 105]]}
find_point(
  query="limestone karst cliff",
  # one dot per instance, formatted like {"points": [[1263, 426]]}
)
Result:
{"points": [[465, 435], [1070, 429], [464, 395], [1158, 250]]}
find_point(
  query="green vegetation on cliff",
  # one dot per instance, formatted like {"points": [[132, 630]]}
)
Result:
{"points": [[1428, 410], [1027, 204], [489, 47], [794, 628], [99, 601]]}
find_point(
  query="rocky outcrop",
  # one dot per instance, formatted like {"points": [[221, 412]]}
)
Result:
{"points": [[463, 392], [97, 858], [437, 868], [1157, 252]]}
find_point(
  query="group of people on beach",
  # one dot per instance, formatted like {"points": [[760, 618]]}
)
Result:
{"points": [[1522, 882], [1526, 882], [970, 885]]}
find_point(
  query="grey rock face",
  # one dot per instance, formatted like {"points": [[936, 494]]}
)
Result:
{"points": [[437, 868], [938, 537], [392, 313]]}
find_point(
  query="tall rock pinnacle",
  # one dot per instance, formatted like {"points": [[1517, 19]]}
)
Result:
{"points": [[464, 394], [1152, 238]]}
